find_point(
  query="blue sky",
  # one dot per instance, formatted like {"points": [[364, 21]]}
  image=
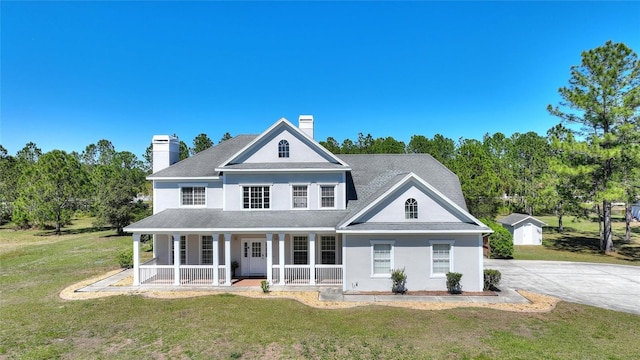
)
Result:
{"points": [[73, 73]]}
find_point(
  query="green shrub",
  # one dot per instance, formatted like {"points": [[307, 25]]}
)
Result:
{"points": [[453, 282], [500, 242], [125, 258], [399, 279], [491, 279], [264, 284]]}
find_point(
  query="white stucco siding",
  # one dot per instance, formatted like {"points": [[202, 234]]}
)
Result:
{"points": [[392, 209], [280, 189], [413, 253], [300, 150], [167, 194]]}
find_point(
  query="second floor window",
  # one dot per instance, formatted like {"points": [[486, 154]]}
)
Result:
{"points": [[193, 195], [283, 149], [299, 193], [327, 196], [255, 197]]}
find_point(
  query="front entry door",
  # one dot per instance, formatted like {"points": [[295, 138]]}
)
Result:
{"points": [[254, 257]]}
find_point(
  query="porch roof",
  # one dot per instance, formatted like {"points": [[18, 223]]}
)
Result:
{"points": [[416, 227], [216, 220]]}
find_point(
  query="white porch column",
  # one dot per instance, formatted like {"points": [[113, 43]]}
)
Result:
{"points": [[281, 256], [216, 259], [344, 262], [136, 259], [227, 258], [176, 259], [269, 258], [312, 258]]}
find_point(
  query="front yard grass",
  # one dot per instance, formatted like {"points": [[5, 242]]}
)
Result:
{"points": [[579, 242], [36, 324]]}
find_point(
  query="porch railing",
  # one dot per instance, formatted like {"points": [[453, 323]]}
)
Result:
{"points": [[151, 273], [301, 274]]}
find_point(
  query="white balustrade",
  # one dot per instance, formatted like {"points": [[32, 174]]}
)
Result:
{"points": [[328, 274]]}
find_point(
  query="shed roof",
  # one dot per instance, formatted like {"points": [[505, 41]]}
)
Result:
{"points": [[515, 219]]}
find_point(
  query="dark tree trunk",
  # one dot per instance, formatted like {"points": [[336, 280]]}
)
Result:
{"points": [[58, 223], [607, 234], [600, 227], [560, 225], [627, 222]]}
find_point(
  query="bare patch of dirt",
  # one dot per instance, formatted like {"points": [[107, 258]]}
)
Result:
{"points": [[537, 302]]}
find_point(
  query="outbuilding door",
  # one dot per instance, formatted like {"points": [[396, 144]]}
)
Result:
{"points": [[527, 234], [254, 257]]}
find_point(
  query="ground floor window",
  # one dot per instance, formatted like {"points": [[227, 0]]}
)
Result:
{"points": [[300, 250], [441, 257], [207, 250], [183, 250], [328, 249], [381, 257]]}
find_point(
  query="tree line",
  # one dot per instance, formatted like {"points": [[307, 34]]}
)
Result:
{"points": [[579, 167]]}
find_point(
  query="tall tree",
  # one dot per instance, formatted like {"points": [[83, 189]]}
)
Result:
{"points": [[200, 143], [225, 137], [603, 93], [117, 184], [387, 145], [331, 144], [480, 184], [9, 174], [528, 160], [440, 147], [51, 189]]}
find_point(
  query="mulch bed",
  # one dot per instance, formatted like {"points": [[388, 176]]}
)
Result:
{"points": [[426, 293]]}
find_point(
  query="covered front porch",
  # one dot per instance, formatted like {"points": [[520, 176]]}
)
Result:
{"points": [[217, 259]]}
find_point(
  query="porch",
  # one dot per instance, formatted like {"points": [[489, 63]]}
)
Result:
{"points": [[208, 260]]}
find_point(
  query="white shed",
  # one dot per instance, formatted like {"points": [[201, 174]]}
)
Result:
{"points": [[526, 229]]}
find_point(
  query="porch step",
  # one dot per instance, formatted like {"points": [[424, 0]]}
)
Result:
{"points": [[331, 294]]}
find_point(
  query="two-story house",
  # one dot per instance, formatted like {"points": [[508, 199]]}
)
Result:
{"points": [[283, 207]]}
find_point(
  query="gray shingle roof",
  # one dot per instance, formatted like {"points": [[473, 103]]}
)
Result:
{"points": [[205, 162], [370, 176], [285, 165], [410, 226], [212, 219], [374, 173], [516, 218]]}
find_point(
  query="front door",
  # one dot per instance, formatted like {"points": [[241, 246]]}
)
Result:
{"points": [[254, 257]]}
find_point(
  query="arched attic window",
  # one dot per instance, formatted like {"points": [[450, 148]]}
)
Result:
{"points": [[411, 209], [283, 149]]}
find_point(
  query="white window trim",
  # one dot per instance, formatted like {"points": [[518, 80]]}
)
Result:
{"points": [[391, 263], [193, 185], [431, 243], [335, 248], [202, 249], [292, 252], [335, 195], [242, 186], [186, 250], [291, 195]]}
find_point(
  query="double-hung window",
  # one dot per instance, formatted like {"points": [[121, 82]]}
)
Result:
{"points": [[327, 196], [381, 258], [255, 197], [207, 250], [441, 257], [299, 196], [193, 195], [300, 250], [328, 249]]}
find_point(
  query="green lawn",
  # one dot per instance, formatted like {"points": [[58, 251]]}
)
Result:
{"points": [[36, 324], [579, 242]]}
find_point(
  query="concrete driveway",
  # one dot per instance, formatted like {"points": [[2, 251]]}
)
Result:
{"points": [[615, 287]]}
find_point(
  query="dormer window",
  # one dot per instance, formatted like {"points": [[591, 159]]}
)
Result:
{"points": [[411, 209], [283, 149]]}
